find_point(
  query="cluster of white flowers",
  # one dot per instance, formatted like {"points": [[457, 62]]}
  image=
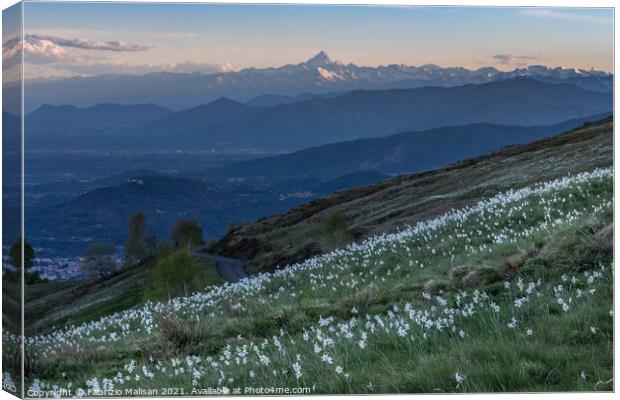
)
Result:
{"points": [[497, 220]]}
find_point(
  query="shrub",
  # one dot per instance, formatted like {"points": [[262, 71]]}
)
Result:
{"points": [[176, 275], [15, 259], [164, 249], [135, 244], [187, 233], [99, 260], [336, 226]]}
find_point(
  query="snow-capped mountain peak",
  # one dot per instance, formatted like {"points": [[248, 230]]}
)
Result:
{"points": [[329, 75], [320, 59]]}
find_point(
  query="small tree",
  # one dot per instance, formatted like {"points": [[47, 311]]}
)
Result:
{"points": [[15, 255], [164, 249], [135, 244], [99, 260], [186, 234], [151, 246], [176, 275], [337, 226], [15, 259]]}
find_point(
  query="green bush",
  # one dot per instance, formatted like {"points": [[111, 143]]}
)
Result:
{"points": [[176, 275], [187, 233], [336, 226]]}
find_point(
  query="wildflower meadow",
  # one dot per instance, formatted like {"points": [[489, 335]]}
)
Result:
{"points": [[511, 294]]}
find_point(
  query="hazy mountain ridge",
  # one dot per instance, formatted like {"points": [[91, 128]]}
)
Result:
{"points": [[399, 153], [204, 116], [363, 114], [271, 100], [318, 74], [315, 120], [100, 116]]}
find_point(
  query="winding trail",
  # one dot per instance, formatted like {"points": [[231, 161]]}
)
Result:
{"points": [[230, 269]]}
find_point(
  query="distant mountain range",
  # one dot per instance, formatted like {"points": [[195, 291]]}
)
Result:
{"points": [[270, 100], [376, 113], [70, 118], [227, 124], [318, 75], [395, 154]]}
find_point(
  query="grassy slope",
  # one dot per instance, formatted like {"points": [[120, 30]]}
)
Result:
{"points": [[407, 199], [375, 209], [57, 303], [560, 237]]}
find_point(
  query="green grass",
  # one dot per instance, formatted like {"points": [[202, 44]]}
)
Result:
{"points": [[209, 275], [90, 300], [102, 308], [46, 288], [445, 268]]}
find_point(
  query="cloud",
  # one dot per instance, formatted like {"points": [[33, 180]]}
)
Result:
{"points": [[192, 67], [115, 45], [118, 67], [11, 53], [46, 52], [49, 56], [34, 52], [125, 68], [569, 16], [513, 59], [45, 49]]}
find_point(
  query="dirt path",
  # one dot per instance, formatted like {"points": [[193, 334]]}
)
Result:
{"points": [[230, 269]]}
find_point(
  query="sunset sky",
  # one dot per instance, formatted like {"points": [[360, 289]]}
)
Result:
{"points": [[64, 39]]}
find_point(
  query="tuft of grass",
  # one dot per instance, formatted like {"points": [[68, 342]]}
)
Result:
{"points": [[180, 333], [361, 300]]}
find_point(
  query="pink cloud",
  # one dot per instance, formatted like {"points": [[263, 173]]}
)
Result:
{"points": [[115, 45], [513, 59]]}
